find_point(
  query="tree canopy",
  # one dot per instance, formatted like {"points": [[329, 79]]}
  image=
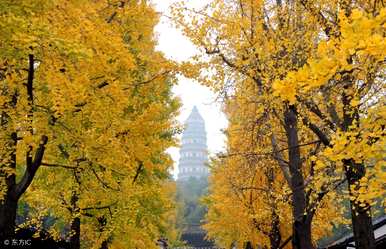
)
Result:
{"points": [[303, 87], [87, 114]]}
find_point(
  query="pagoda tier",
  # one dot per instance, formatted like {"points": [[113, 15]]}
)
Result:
{"points": [[193, 152]]}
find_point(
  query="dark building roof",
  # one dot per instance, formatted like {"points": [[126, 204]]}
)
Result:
{"points": [[197, 240]]}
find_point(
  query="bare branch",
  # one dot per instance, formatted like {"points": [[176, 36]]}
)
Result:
{"points": [[100, 207], [101, 181], [58, 165], [280, 159]]}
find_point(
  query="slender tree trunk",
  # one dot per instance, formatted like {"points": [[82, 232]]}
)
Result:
{"points": [[8, 142], [75, 223], [274, 233], [302, 226]]}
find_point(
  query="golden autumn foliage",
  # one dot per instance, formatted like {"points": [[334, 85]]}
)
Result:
{"points": [[87, 114], [248, 189], [83, 87], [303, 88]]}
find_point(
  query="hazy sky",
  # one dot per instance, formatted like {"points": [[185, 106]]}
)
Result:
{"points": [[177, 47]]}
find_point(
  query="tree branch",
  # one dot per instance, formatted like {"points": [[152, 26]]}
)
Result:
{"points": [[317, 131], [31, 72], [280, 159], [325, 190], [154, 77], [285, 242], [328, 27], [100, 207], [101, 181], [58, 165], [271, 152], [313, 107], [31, 169], [139, 170]]}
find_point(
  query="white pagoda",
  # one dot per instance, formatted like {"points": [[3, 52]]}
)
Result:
{"points": [[193, 152]]}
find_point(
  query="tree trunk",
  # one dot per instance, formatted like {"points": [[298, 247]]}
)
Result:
{"points": [[75, 223], [8, 209], [75, 234], [105, 245], [8, 147], [274, 235], [302, 234], [302, 226], [360, 215], [248, 245], [362, 227]]}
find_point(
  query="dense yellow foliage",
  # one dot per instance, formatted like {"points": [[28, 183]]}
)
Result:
{"points": [[303, 87], [102, 96], [248, 187]]}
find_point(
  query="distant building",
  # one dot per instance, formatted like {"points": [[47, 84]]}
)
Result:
{"points": [[193, 152]]}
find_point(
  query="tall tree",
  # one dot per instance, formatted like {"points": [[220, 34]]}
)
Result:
{"points": [[273, 46], [342, 85], [248, 185], [102, 98]]}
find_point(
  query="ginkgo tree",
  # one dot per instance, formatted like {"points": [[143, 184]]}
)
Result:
{"points": [[342, 84], [316, 69], [249, 203], [87, 113]]}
